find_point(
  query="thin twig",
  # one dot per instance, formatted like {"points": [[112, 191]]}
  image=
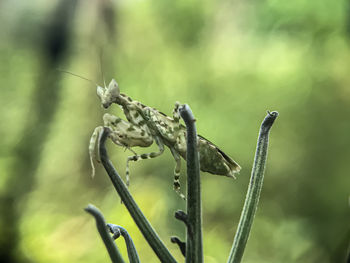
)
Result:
{"points": [[254, 189], [117, 231], [106, 237], [194, 244]]}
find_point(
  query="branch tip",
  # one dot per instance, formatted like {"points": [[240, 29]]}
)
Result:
{"points": [[182, 216], [114, 230], [103, 231], [181, 244], [254, 190]]}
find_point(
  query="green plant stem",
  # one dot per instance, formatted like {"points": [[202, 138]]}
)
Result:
{"points": [[106, 237], [254, 189], [145, 227], [194, 244], [117, 231]]}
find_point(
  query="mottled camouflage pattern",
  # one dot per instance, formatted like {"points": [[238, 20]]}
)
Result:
{"points": [[146, 124]]}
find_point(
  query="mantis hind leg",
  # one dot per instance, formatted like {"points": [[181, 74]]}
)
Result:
{"points": [[177, 169], [144, 156]]}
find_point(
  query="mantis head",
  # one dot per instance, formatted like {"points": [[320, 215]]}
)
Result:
{"points": [[109, 94]]}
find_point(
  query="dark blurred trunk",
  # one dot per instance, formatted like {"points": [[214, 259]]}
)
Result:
{"points": [[328, 224], [27, 152]]}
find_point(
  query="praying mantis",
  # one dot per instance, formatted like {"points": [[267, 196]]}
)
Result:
{"points": [[146, 125]]}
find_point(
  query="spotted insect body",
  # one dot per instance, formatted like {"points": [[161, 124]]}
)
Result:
{"points": [[145, 125]]}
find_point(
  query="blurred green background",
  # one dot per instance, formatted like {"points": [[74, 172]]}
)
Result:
{"points": [[230, 61]]}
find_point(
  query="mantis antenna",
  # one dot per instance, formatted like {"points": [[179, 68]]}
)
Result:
{"points": [[102, 75], [76, 75]]}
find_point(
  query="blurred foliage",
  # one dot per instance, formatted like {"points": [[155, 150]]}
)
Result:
{"points": [[230, 61]]}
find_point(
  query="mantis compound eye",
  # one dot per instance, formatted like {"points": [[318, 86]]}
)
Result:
{"points": [[103, 95], [113, 89], [100, 92]]}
